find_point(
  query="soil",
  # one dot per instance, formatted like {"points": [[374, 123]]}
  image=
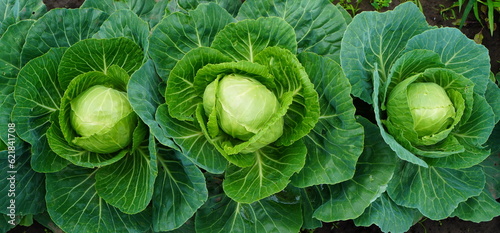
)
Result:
{"points": [[432, 11], [51, 4]]}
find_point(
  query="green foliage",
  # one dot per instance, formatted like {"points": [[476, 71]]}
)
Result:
{"points": [[474, 5], [39, 83], [349, 5], [237, 116], [379, 4], [440, 167]]}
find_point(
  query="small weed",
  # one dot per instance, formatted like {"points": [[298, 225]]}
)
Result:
{"points": [[418, 3], [487, 9], [448, 13], [478, 37], [421, 223], [334, 226], [352, 6], [379, 4]]}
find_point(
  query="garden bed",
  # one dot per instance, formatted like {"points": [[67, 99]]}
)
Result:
{"points": [[436, 15]]}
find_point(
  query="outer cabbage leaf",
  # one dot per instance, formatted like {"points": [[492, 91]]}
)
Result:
{"points": [[347, 16], [11, 44], [482, 208], [141, 8], [492, 95], [137, 172], [75, 206], [57, 29], [336, 142], [319, 25], [242, 41], [13, 11], [99, 55], [311, 198], [29, 185], [434, 191], [5, 226], [149, 10], [231, 6], [269, 174], [491, 164], [180, 190], [35, 110], [374, 170], [267, 215], [124, 23], [6, 106], [179, 33], [387, 215], [377, 38], [145, 98]]}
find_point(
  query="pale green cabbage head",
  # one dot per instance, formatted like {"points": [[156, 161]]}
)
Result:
{"points": [[431, 108], [103, 118], [422, 112], [244, 106]]}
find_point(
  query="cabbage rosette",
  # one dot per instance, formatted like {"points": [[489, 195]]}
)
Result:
{"points": [[255, 102], [15, 22], [96, 158], [434, 105]]}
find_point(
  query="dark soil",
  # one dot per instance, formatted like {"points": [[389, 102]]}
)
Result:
{"points": [[63, 3], [432, 12], [449, 225]]}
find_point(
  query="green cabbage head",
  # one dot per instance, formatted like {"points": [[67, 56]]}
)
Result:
{"points": [[103, 119], [431, 108], [424, 111], [243, 106]]}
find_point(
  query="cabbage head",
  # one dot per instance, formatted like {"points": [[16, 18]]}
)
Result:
{"points": [[243, 106], [428, 106], [103, 118]]}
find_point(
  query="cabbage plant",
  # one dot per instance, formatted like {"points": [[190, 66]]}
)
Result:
{"points": [[435, 106], [92, 160], [256, 98]]}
